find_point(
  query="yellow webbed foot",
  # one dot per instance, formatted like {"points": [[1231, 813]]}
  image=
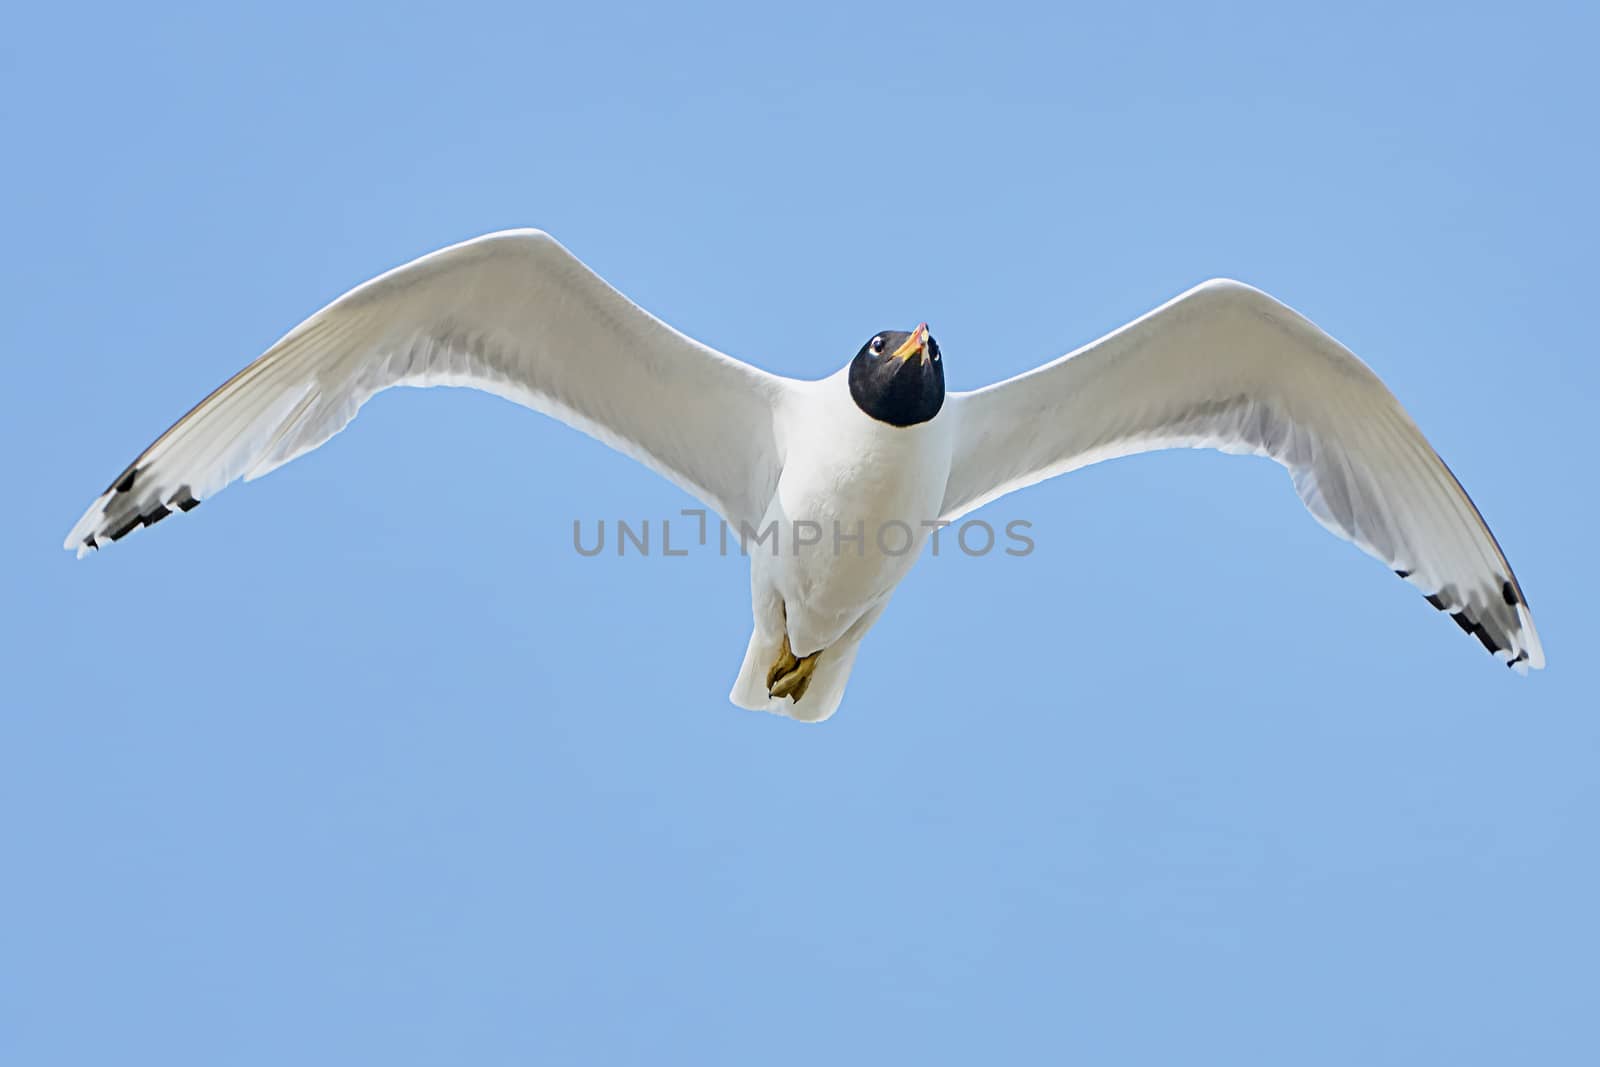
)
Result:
{"points": [[791, 676]]}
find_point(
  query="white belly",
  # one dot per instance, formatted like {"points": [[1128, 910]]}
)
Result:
{"points": [[851, 511]]}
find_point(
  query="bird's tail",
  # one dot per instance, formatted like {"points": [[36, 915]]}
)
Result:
{"points": [[821, 697]]}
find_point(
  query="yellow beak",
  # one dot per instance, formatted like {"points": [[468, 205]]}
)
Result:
{"points": [[916, 344]]}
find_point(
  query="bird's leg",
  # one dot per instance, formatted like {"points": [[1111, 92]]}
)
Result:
{"points": [[790, 675], [782, 665]]}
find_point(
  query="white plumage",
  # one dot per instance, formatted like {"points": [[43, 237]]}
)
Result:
{"points": [[1222, 366]]}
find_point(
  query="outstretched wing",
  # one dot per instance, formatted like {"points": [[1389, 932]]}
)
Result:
{"points": [[514, 314], [1225, 366]]}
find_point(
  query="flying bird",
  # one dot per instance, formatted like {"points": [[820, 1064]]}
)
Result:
{"points": [[879, 444]]}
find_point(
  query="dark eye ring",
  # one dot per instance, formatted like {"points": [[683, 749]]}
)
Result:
{"points": [[876, 345]]}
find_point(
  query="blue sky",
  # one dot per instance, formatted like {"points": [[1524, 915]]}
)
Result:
{"points": [[360, 763]]}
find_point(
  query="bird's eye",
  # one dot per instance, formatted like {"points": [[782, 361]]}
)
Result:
{"points": [[876, 345], [933, 349]]}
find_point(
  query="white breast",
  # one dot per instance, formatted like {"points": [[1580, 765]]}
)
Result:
{"points": [[864, 491]]}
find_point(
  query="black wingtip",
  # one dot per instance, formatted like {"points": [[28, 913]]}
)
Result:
{"points": [[124, 481], [126, 528], [1476, 630]]}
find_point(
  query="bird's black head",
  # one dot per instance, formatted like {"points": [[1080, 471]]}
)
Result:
{"points": [[898, 378]]}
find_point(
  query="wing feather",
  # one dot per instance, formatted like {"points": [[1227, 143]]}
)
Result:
{"points": [[1225, 366], [513, 314]]}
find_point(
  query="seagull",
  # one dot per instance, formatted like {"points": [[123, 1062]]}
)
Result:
{"points": [[879, 445]]}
